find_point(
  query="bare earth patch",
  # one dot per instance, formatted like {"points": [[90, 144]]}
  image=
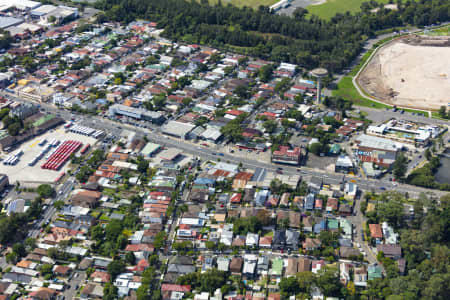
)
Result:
{"points": [[411, 72]]}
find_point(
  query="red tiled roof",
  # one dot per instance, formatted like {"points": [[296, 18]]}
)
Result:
{"points": [[236, 198], [139, 247], [375, 231], [244, 175], [285, 151], [175, 288], [234, 112], [103, 276]]}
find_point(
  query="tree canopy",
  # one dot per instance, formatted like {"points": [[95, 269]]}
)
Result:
{"points": [[308, 42]]}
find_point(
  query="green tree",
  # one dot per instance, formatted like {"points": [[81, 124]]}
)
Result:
{"points": [[11, 257], [45, 191], [210, 245], [52, 252], [46, 269], [97, 233], [113, 230], [142, 164], [289, 286], [159, 240], [14, 129], [400, 166], [328, 281], [117, 81], [30, 243], [109, 291], [443, 112], [391, 211], [19, 249], [306, 280], [187, 101], [265, 73], [115, 268], [315, 148], [58, 204], [270, 126], [159, 102], [130, 258]]}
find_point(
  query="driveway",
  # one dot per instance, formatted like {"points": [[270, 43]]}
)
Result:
{"points": [[78, 281]]}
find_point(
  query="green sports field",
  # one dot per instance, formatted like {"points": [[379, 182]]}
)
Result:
{"points": [[328, 9], [249, 3]]}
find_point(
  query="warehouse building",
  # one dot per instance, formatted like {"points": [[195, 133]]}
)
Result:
{"points": [[379, 151], [6, 22], [150, 149], [136, 113], [24, 5], [178, 129]]}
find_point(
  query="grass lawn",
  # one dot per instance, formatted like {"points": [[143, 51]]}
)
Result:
{"points": [[249, 3], [436, 115], [270, 234], [328, 9], [347, 91]]}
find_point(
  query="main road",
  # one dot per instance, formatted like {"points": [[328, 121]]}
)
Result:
{"points": [[210, 154]]}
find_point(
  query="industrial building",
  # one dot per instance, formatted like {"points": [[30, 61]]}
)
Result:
{"points": [[24, 5], [150, 149], [178, 129], [405, 131], [6, 22], [136, 113], [377, 150], [59, 13]]}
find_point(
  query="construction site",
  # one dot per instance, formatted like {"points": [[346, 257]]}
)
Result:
{"points": [[410, 72]]}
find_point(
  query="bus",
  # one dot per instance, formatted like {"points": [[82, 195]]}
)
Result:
{"points": [[85, 149]]}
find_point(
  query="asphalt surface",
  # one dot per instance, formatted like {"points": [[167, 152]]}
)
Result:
{"points": [[61, 193], [75, 283], [357, 222]]}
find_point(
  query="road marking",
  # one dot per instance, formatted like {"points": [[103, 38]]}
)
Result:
{"points": [[35, 143]]}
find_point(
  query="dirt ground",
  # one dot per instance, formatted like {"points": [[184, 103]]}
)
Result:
{"points": [[411, 72]]}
